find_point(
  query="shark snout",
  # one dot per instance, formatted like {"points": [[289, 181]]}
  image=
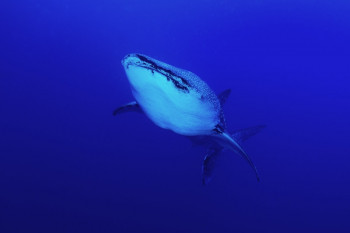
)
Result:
{"points": [[126, 59], [131, 59]]}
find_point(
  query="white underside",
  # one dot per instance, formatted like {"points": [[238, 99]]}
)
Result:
{"points": [[169, 107]]}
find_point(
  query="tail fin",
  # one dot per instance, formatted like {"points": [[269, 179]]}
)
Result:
{"points": [[240, 136]]}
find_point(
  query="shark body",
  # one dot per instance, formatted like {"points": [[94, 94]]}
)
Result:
{"points": [[180, 101]]}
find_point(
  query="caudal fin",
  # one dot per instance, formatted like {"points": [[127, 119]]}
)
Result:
{"points": [[239, 136]]}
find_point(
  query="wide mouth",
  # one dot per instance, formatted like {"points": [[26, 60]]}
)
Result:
{"points": [[145, 62], [131, 58], [139, 60]]}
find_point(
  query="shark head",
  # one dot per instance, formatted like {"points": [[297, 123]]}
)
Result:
{"points": [[172, 98]]}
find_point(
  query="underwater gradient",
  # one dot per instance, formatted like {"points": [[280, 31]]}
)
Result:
{"points": [[68, 165]]}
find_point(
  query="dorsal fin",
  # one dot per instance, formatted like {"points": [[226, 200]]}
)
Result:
{"points": [[243, 134], [222, 124], [223, 96]]}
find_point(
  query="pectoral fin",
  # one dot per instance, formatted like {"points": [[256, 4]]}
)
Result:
{"points": [[130, 107], [209, 163]]}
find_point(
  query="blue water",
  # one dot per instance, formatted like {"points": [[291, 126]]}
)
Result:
{"points": [[68, 165]]}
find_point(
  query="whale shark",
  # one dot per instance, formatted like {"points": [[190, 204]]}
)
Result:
{"points": [[180, 101]]}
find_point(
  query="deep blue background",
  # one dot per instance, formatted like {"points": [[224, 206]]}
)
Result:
{"points": [[68, 165]]}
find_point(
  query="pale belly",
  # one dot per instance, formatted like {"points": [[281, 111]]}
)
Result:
{"points": [[169, 107]]}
